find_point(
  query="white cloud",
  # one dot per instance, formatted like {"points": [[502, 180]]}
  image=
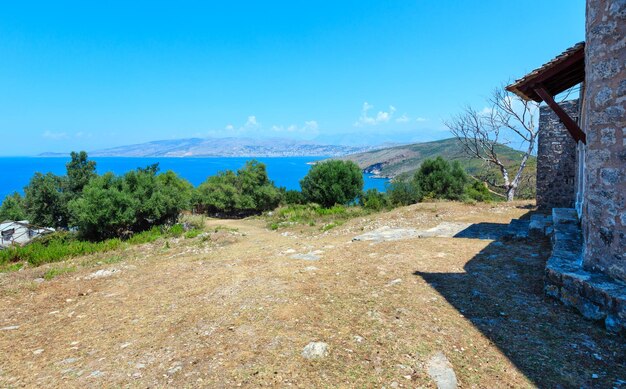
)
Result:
{"points": [[403, 119], [310, 127], [251, 122], [381, 116], [421, 120], [54, 135], [252, 127]]}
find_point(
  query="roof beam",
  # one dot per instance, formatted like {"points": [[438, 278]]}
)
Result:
{"points": [[567, 121]]}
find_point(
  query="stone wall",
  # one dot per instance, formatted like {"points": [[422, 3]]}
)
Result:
{"points": [[604, 211], [556, 159]]}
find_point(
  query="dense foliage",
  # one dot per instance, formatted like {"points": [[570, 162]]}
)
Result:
{"points": [[332, 182], [118, 206], [440, 179], [245, 192], [13, 208], [46, 204]]}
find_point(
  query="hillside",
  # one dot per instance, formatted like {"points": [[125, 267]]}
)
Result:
{"points": [[394, 161], [224, 147], [240, 305]]}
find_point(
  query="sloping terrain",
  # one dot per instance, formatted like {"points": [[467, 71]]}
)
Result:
{"points": [[238, 307], [394, 161]]}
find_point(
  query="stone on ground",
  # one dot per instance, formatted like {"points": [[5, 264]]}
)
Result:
{"points": [[315, 350], [440, 370], [101, 274]]}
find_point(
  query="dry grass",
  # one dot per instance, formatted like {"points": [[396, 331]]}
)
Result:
{"points": [[235, 309]]}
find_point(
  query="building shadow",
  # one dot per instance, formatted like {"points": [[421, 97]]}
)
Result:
{"points": [[501, 293]]}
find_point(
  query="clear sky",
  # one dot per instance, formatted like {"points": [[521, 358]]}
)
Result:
{"points": [[89, 75]]}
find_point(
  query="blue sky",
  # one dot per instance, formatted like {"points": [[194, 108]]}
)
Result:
{"points": [[90, 75]]}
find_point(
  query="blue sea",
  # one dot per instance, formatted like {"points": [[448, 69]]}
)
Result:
{"points": [[15, 172]]}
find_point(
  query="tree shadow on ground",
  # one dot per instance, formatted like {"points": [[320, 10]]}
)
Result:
{"points": [[501, 293]]}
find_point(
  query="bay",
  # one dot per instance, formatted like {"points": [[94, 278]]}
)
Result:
{"points": [[16, 172]]}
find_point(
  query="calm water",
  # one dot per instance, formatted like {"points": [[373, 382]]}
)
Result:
{"points": [[15, 172]]}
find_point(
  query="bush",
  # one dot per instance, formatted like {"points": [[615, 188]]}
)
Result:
{"points": [[439, 179], [13, 208], [332, 182], [246, 192], [113, 206], [293, 197], [373, 199], [45, 202], [400, 193], [477, 191]]}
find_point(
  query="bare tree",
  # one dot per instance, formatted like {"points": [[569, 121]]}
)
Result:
{"points": [[483, 132]]}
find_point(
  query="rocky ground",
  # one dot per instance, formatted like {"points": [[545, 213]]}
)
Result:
{"points": [[409, 305]]}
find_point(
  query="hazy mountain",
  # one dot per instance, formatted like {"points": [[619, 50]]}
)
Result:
{"points": [[224, 147]]}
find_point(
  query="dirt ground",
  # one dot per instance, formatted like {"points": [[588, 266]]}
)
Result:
{"points": [[236, 309]]}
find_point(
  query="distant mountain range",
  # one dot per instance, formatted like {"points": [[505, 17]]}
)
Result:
{"points": [[225, 147], [395, 161]]}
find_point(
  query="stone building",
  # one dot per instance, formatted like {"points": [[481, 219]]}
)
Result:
{"points": [[556, 159], [587, 269]]}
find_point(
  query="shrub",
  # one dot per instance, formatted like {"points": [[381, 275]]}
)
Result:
{"points": [[13, 208], [437, 178], [197, 222], [477, 191], [374, 200], [248, 191], [400, 193], [45, 202], [332, 182], [113, 206], [292, 197]]}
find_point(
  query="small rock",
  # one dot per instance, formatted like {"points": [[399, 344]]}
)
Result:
{"points": [[39, 280], [315, 350], [9, 328], [394, 384], [310, 268], [306, 257], [38, 351], [594, 376], [394, 282], [69, 360], [96, 374], [101, 274], [358, 339], [440, 370], [175, 368]]}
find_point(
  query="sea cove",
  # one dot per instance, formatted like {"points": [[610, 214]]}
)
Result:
{"points": [[284, 171]]}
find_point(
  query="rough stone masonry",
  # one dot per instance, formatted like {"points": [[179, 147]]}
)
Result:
{"points": [[556, 159], [604, 120]]}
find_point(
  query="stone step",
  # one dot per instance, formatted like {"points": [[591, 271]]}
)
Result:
{"points": [[518, 229]]}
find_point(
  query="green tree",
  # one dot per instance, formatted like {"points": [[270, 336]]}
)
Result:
{"points": [[45, 202], [373, 199], [112, 206], [332, 182], [105, 209], [79, 171], [401, 193], [248, 191], [13, 208], [438, 178]]}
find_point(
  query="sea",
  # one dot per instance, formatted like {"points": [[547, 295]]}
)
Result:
{"points": [[16, 172]]}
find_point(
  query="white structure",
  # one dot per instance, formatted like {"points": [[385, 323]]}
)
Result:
{"points": [[19, 233]]}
